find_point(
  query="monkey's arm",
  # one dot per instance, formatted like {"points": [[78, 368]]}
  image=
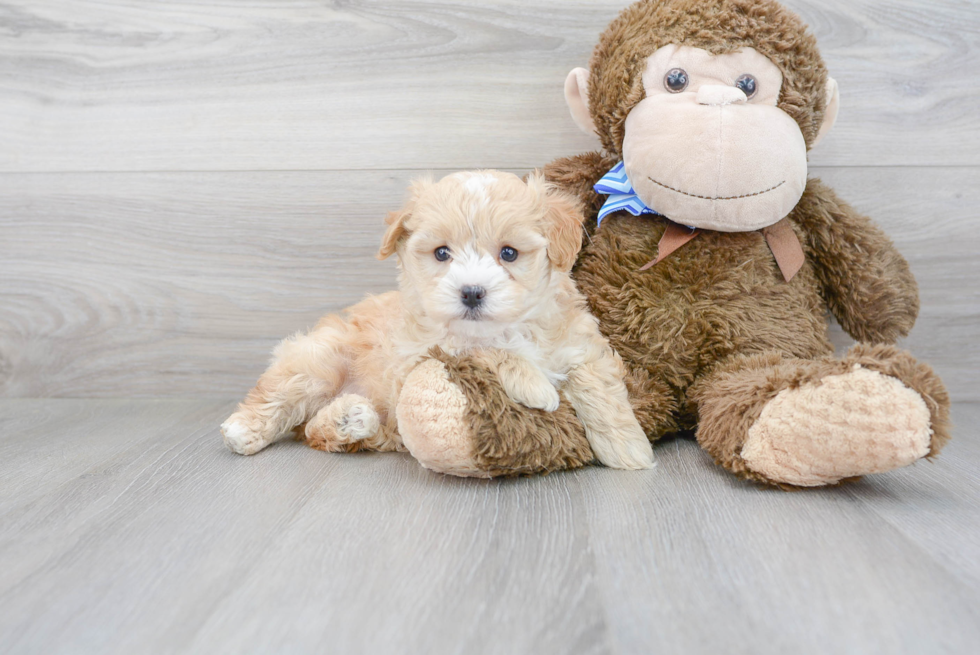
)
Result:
{"points": [[577, 175], [866, 282]]}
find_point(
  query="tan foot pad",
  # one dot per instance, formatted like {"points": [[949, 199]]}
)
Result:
{"points": [[846, 425]]}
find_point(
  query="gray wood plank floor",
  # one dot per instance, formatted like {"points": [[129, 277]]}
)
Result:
{"points": [[125, 527]]}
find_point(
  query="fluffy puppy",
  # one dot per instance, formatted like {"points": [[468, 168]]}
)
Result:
{"points": [[484, 262]]}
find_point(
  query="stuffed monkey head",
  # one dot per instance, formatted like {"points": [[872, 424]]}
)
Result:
{"points": [[711, 104]]}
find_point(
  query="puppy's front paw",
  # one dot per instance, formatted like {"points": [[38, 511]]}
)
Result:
{"points": [[240, 438], [525, 383], [625, 449], [537, 396]]}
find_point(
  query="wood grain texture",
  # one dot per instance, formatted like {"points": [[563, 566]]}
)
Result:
{"points": [[125, 526], [180, 284], [123, 85], [127, 280], [756, 563]]}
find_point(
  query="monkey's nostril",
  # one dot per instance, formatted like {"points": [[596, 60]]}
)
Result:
{"points": [[473, 296]]}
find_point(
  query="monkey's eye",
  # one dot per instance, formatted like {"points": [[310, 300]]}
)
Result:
{"points": [[676, 80], [747, 84], [442, 253], [508, 254]]}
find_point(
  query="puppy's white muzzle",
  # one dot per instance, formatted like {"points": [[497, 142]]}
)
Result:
{"points": [[473, 288]]}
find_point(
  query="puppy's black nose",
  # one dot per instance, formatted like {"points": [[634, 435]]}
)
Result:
{"points": [[473, 296]]}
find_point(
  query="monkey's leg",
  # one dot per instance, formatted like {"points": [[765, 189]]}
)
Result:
{"points": [[455, 417], [805, 423], [306, 372]]}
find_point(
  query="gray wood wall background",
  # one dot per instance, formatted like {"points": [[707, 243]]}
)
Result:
{"points": [[184, 183]]}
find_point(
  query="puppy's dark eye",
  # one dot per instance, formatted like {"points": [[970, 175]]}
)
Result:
{"points": [[508, 254], [748, 84], [676, 80], [442, 253]]}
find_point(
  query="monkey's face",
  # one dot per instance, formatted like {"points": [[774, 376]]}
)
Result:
{"points": [[707, 145]]}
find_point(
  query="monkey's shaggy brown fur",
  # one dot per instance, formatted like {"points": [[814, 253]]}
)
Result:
{"points": [[721, 298], [713, 332]]}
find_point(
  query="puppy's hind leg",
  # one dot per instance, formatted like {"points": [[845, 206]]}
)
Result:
{"points": [[598, 394], [348, 424], [306, 372]]}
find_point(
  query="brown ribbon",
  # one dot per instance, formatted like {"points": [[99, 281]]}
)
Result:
{"points": [[785, 247], [782, 240], [673, 238]]}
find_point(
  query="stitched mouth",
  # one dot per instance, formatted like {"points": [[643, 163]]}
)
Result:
{"points": [[694, 195]]}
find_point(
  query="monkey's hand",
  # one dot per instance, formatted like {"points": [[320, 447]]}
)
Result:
{"points": [[866, 282], [577, 175]]}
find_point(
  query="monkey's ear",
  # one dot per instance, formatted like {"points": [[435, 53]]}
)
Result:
{"points": [[397, 220], [577, 97], [830, 113], [563, 222]]}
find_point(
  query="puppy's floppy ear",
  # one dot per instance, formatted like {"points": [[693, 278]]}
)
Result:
{"points": [[396, 230], [397, 220], [564, 220]]}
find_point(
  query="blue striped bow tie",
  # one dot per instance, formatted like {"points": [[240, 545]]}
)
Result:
{"points": [[617, 186]]}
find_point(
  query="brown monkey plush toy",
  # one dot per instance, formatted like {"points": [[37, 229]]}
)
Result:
{"points": [[711, 261]]}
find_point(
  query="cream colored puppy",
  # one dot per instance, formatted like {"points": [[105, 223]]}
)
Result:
{"points": [[484, 263]]}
